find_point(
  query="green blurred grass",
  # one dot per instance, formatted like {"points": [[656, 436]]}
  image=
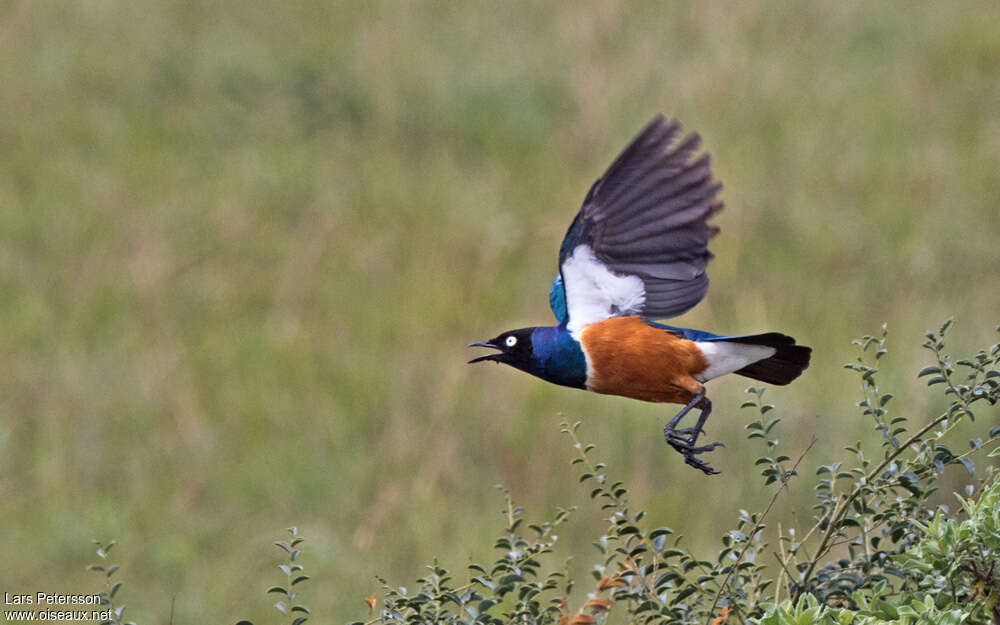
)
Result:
{"points": [[243, 247]]}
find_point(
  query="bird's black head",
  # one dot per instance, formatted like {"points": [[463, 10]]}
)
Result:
{"points": [[515, 348]]}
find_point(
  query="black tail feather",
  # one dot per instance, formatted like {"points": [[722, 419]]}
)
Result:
{"points": [[785, 365]]}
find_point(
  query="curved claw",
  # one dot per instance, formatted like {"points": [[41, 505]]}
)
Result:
{"points": [[700, 465]]}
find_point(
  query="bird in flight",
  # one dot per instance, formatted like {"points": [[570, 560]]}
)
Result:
{"points": [[635, 253]]}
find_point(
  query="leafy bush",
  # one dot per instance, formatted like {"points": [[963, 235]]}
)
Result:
{"points": [[952, 576], [958, 563]]}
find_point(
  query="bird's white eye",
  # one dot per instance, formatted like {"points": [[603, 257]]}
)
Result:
{"points": [[511, 341]]}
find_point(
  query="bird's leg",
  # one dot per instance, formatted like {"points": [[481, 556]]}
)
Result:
{"points": [[671, 425], [684, 440]]}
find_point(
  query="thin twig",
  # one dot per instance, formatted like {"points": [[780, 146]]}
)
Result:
{"points": [[777, 586], [785, 572]]}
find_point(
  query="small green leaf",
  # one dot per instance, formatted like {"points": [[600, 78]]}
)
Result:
{"points": [[684, 593], [971, 468]]}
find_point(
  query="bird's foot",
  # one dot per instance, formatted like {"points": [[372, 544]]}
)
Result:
{"points": [[685, 445], [685, 440]]}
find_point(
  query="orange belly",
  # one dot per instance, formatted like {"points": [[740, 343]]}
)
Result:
{"points": [[628, 357]]}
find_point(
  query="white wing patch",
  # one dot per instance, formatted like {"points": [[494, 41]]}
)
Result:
{"points": [[726, 357], [595, 293]]}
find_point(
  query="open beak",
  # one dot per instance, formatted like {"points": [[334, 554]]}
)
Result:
{"points": [[493, 357]]}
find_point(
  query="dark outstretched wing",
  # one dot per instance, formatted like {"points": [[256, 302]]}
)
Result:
{"points": [[639, 244]]}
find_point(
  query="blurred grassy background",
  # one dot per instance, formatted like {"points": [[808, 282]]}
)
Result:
{"points": [[244, 245]]}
